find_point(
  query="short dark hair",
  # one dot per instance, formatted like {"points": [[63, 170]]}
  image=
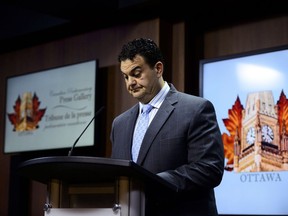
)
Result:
{"points": [[144, 47]]}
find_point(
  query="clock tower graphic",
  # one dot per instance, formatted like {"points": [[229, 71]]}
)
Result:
{"points": [[260, 146]]}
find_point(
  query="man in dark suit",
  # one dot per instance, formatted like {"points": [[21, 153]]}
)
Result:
{"points": [[182, 143]]}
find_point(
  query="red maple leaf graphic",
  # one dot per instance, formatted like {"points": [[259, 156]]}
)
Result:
{"points": [[37, 113], [15, 117], [31, 121], [233, 125], [282, 104]]}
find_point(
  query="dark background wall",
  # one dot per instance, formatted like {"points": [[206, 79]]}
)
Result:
{"points": [[209, 30]]}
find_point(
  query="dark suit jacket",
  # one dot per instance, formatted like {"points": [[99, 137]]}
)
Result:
{"points": [[183, 145]]}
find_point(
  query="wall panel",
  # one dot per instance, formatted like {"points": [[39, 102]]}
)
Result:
{"points": [[246, 37]]}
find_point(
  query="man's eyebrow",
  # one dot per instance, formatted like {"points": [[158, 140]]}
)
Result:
{"points": [[135, 68]]}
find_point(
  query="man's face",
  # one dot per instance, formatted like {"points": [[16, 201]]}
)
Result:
{"points": [[142, 82]]}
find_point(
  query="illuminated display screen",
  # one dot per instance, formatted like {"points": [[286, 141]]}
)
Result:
{"points": [[249, 92], [49, 109]]}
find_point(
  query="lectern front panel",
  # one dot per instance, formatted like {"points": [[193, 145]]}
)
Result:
{"points": [[81, 212]]}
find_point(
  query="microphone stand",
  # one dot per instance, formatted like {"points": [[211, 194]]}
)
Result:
{"points": [[76, 141]]}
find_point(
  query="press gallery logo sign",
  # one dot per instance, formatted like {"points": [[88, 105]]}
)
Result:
{"points": [[27, 113]]}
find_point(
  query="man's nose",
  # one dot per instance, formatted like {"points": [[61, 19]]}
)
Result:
{"points": [[131, 81]]}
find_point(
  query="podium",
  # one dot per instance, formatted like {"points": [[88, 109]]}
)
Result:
{"points": [[81, 185]]}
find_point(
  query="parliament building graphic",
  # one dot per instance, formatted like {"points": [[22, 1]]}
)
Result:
{"points": [[258, 139]]}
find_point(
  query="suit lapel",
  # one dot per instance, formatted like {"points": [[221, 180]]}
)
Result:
{"points": [[130, 127], [157, 123]]}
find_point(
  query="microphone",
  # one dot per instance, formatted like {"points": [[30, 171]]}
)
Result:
{"points": [[76, 141]]}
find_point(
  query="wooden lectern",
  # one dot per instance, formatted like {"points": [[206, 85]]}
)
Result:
{"points": [[80, 185]]}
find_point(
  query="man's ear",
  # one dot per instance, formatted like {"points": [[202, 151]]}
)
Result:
{"points": [[159, 67]]}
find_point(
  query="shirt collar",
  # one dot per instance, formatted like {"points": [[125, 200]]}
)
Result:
{"points": [[159, 98]]}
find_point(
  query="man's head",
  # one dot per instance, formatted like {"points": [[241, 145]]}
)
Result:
{"points": [[146, 48], [141, 63]]}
